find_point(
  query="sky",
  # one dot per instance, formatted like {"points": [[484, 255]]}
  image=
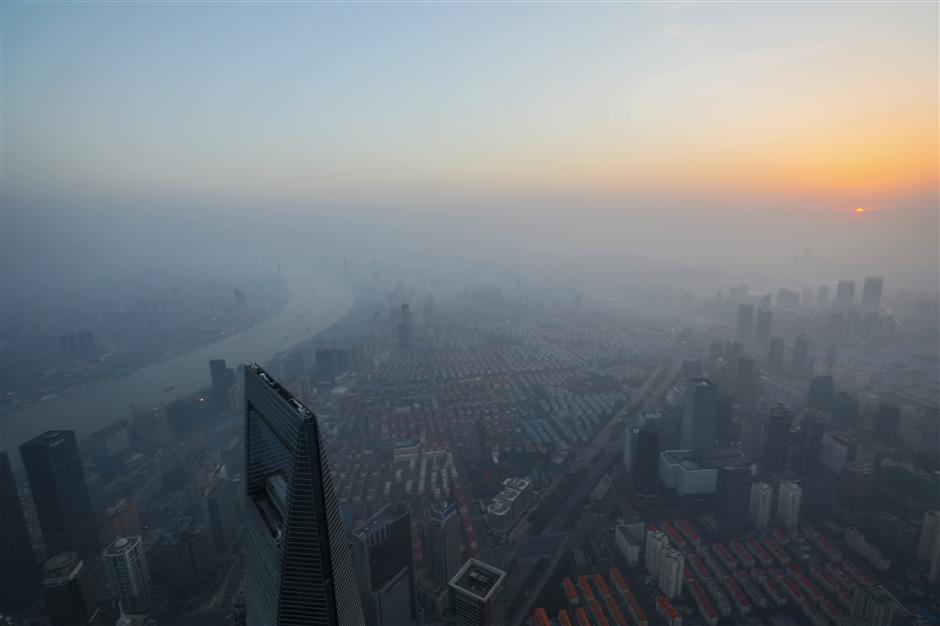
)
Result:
{"points": [[782, 114]]}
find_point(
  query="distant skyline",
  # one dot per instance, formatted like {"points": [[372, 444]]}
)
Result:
{"points": [[831, 104]]}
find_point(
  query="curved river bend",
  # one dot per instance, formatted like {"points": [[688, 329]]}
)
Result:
{"points": [[315, 302]]}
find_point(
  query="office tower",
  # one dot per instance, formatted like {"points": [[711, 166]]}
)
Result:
{"points": [[121, 519], [929, 536], [821, 392], [844, 408], [745, 380], [646, 464], [478, 596], [715, 348], [57, 481], [698, 415], [405, 328], [760, 504], [812, 427], [69, 591], [789, 499], [745, 322], [800, 354], [383, 555], [788, 300], [762, 329], [724, 414], [656, 545], [775, 354], [86, 344], [855, 484], [18, 569], [326, 367], [444, 542], [733, 496], [752, 437], [822, 297], [887, 424], [778, 437], [670, 573], [871, 293], [299, 565], [845, 293], [219, 509], [292, 367], [222, 378], [873, 606], [125, 568], [630, 439]]}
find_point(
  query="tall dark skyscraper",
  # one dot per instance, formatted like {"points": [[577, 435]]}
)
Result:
{"points": [[745, 327], [822, 390], [812, 428], [299, 562], [762, 330], [845, 293], [405, 328], [788, 300], [699, 415], [775, 353], [645, 463], [871, 293], [733, 491], [222, 378], [887, 425], [801, 354], [745, 380], [478, 596], [57, 481], [69, 590], [383, 555], [444, 542], [18, 569], [778, 437]]}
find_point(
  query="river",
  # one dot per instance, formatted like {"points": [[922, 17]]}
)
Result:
{"points": [[315, 302]]}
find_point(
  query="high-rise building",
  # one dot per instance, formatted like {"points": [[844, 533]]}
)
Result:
{"points": [[856, 484], [745, 326], [405, 328], [745, 380], [222, 378], [871, 293], [778, 437], [478, 596], [18, 569], [812, 428], [724, 415], [844, 408], [775, 353], [800, 354], [822, 297], [873, 606], [69, 590], [752, 437], [656, 545], [887, 425], [299, 562], [670, 573], [57, 481], [383, 555], [630, 437], [698, 415], [845, 293], [219, 509], [763, 326], [821, 392], [443, 542], [806, 299], [761, 504], [646, 464], [789, 501], [125, 568], [733, 494], [929, 536], [788, 300]]}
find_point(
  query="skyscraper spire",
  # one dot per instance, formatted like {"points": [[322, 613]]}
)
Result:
{"points": [[300, 568]]}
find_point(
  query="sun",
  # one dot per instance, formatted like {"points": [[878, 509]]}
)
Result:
{"points": [[859, 210]]}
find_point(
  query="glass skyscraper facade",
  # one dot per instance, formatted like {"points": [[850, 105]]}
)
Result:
{"points": [[300, 569]]}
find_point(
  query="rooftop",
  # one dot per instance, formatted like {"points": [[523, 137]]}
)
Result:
{"points": [[477, 579]]}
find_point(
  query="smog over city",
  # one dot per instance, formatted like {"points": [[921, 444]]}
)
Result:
{"points": [[509, 314]]}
